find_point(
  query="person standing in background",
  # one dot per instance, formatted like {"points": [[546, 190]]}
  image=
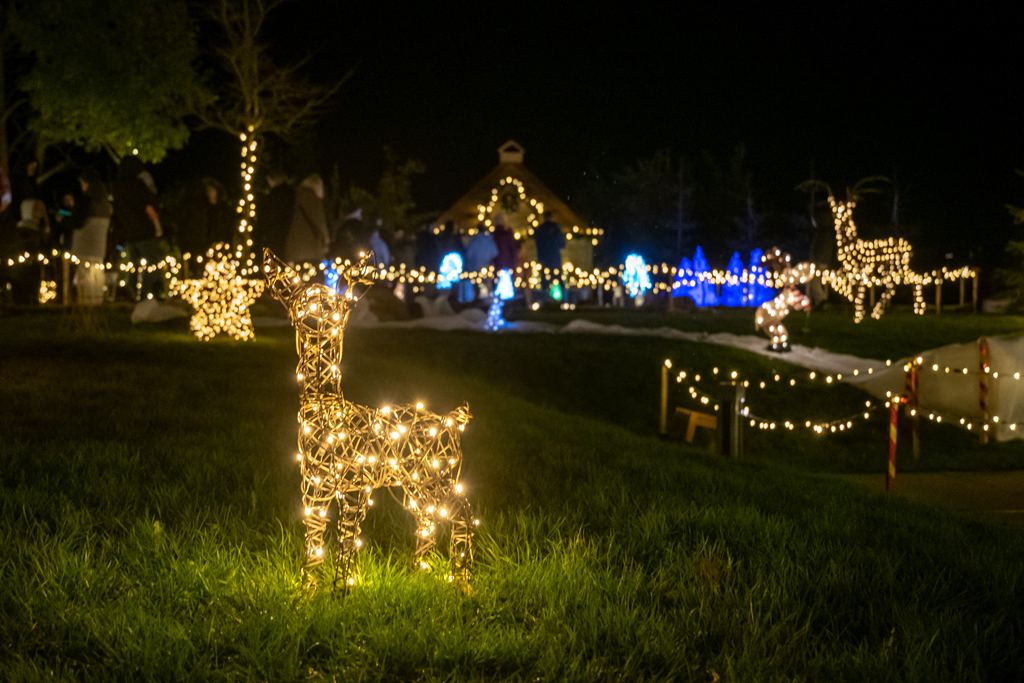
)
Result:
{"points": [[91, 223], [308, 239], [135, 202]]}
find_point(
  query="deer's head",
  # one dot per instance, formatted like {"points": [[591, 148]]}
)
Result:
{"points": [[319, 315]]}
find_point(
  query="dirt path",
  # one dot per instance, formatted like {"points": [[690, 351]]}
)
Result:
{"points": [[994, 496]]}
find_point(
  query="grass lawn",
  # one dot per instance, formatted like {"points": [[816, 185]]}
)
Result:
{"points": [[149, 515]]}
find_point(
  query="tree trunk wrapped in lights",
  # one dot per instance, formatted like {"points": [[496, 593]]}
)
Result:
{"points": [[221, 297], [347, 450]]}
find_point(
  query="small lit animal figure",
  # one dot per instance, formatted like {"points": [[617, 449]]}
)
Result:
{"points": [[770, 315], [347, 450], [221, 297], [867, 263]]}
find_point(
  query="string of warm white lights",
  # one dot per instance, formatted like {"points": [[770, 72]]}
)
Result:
{"points": [[247, 203], [529, 275], [346, 450], [221, 298], [821, 428], [980, 425], [818, 427]]}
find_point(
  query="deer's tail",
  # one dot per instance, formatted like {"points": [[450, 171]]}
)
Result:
{"points": [[461, 415]]}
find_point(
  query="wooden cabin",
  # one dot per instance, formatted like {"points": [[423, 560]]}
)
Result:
{"points": [[512, 195]]}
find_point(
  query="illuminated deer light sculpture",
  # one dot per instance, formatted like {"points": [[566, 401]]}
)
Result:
{"points": [[867, 263], [346, 450]]}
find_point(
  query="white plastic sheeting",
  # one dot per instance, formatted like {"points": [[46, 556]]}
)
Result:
{"points": [[953, 395]]}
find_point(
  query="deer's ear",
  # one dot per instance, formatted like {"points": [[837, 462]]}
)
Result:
{"points": [[282, 279]]}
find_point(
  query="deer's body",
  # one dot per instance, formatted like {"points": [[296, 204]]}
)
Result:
{"points": [[865, 263], [346, 450]]}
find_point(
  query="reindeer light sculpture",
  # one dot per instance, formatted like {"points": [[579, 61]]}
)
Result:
{"points": [[771, 313], [867, 263], [346, 450]]}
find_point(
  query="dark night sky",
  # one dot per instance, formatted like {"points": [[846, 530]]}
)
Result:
{"points": [[861, 91]]}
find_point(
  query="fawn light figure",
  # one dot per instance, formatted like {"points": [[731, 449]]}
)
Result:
{"points": [[347, 450], [866, 263]]}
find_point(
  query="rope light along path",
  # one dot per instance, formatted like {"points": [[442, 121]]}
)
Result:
{"points": [[346, 450]]}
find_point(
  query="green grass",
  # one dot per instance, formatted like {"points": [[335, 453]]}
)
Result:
{"points": [[150, 526]]}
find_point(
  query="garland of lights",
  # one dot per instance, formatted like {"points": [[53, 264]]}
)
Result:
{"points": [[221, 298], [526, 276], [844, 423], [346, 450]]}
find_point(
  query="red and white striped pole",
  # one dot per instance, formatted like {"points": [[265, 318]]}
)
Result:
{"points": [[983, 386], [890, 474]]}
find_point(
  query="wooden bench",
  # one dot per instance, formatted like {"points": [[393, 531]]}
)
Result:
{"points": [[695, 420]]}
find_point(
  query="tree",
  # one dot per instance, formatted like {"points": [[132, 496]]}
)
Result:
{"points": [[725, 204], [8, 35], [256, 96], [392, 203], [1014, 277], [653, 207], [112, 75]]}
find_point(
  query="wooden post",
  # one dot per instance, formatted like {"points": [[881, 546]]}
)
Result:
{"points": [[974, 293], [890, 472], [663, 422], [938, 297], [963, 287], [912, 405], [983, 385], [65, 281], [871, 296]]}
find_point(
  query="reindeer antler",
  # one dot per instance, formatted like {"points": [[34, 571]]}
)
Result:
{"points": [[361, 272]]}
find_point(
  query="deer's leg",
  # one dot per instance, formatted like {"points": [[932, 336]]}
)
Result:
{"points": [[919, 303], [883, 300], [858, 303], [317, 487], [461, 544], [353, 495]]}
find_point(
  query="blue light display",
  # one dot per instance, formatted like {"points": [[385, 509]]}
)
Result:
{"points": [[734, 291], [634, 275], [451, 269]]}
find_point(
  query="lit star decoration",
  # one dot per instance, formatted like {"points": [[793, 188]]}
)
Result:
{"points": [[347, 450], [451, 269], [635, 277], [221, 297]]}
